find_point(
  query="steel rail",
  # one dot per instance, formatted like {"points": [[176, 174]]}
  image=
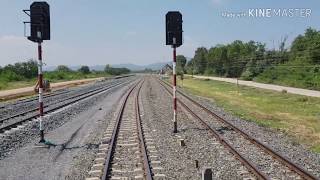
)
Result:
{"points": [[15, 124], [251, 167], [284, 160], [34, 98], [50, 94], [143, 148], [115, 132], [37, 108]]}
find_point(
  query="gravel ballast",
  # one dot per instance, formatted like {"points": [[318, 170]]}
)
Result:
{"points": [[78, 130], [277, 140], [180, 161], [20, 106], [75, 129]]}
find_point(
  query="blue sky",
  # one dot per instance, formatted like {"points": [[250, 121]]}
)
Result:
{"points": [[126, 31]]}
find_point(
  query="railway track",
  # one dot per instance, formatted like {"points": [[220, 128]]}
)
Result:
{"points": [[13, 121], [35, 98], [257, 157], [63, 99], [130, 151], [20, 106], [32, 101]]}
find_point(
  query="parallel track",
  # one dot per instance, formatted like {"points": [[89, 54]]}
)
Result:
{"points": [[252, 167], [50, 104], [46, 95], [35, 98], [73, 99]]}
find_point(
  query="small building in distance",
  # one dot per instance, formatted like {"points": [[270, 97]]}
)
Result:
{"points": [[166, 70]]}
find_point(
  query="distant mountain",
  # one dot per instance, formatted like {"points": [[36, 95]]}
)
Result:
{"points": [[157, 66], [132, 67], [97, 67], [52, 68]]}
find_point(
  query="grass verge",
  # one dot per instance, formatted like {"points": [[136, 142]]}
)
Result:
{"points": [[296, 115], [16, 84]]}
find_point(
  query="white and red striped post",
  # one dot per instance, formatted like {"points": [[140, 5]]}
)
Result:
{"points": [[174, 87], [40, 81]]}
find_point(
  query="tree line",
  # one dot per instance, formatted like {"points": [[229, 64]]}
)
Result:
{"points": [[297, 65], [29, 70], [115, 71], [19, 71]]}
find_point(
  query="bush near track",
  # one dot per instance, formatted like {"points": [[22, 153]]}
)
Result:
{"points": [[296, 66], [296, 115]]}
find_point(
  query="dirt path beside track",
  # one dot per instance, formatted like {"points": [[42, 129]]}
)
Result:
{"points": [[16, 93], [292, 90]]}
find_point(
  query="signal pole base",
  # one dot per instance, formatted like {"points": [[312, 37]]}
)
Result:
{"points": [[42, 144], [42, 137], [175, 127]]}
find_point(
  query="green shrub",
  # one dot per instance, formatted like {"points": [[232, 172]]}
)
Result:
{"points": [[9, 76], [296, 76], [3, 85]]}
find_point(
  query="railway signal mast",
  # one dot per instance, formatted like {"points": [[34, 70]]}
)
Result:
{"points": [[174, 38], [39, 30]]}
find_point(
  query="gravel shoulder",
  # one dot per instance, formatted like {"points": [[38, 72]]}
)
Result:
{"points": [[79, 128]]}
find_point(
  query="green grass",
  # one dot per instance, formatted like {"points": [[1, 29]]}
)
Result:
{"points": [[296, 115], [67, 76], [301, 77], [16, 84]]}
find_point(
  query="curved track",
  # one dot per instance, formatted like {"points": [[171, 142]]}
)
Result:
{"points": [[296, 172]]}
